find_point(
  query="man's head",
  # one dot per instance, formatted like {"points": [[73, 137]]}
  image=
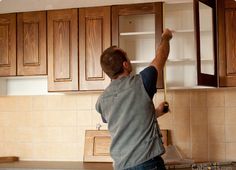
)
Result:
{"points": [[114, 62]]}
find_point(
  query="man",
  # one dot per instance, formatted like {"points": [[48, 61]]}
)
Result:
{"points": [[127, 106]]}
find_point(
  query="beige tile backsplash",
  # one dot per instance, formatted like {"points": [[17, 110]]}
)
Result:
{"points": [[202, 124]]}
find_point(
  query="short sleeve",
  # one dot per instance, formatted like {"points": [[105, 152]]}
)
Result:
{"points": [[149, 77]]}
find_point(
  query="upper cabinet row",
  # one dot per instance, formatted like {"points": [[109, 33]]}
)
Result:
{"points": [[202, 49]]}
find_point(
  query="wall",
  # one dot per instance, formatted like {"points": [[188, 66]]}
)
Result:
{"points": [[9, 6], [202, 124], [46, 127]]}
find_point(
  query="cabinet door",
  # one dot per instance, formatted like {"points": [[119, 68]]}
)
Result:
{"points": [[94, 38], [205, 35], [137, 28], [7, 44], [31, 43], [227, 42], [62, 40]]}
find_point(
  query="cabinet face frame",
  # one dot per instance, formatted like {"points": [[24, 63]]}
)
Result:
{"points": [[203, 78], [62, 32], [139, 9], [8, 44], [31, 43]]}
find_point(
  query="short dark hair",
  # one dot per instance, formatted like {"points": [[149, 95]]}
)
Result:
{"points": [[112, 61]]}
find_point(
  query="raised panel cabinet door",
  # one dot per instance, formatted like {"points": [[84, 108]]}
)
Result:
{"points": [[7, 44], [62, 39], [227, 42], [31, 43], [94, 38]]}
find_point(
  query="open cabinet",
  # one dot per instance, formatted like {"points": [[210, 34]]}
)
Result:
{"points": [[137, 29], [192, 60]]}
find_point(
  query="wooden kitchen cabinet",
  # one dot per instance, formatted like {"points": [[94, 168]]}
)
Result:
{"points": [[94, 38], [137, 29], [31, 43], [227, 42], [7, 44], [62, 39]]}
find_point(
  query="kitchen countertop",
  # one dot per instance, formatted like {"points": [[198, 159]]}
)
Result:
{"points": [[60, 165], [48, 165]]}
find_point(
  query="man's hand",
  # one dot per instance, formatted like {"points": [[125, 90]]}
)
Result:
{"points": [[160, 109], [167, 34]]}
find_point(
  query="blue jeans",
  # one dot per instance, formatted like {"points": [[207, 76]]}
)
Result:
{"points": [[156, 163]]}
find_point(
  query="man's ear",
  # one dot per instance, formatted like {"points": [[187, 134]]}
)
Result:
{"points": [[125, 64]]}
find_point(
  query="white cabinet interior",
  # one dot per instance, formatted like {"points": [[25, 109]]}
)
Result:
{"points": [[182, 61], [137, 38], [182, 64]]}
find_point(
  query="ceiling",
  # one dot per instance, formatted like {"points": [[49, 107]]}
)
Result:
{"points": [[9, 6]]}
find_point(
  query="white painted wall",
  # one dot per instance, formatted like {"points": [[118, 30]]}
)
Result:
{"points": [[8, 6]]}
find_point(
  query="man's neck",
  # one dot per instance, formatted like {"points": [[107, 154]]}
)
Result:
{"points": [[124, 74]]}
